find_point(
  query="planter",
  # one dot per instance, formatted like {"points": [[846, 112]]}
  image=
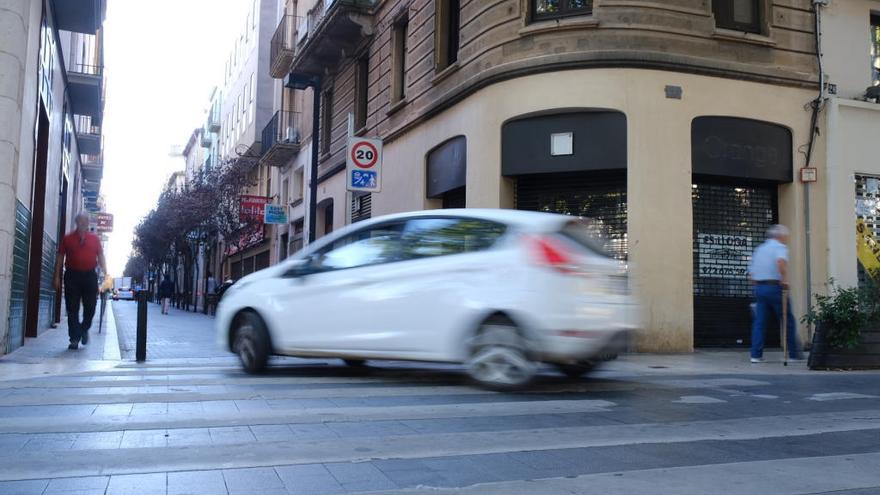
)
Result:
{"points": [[865, 356]]}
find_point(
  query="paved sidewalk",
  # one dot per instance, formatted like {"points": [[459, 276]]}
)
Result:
{"points": [[177, 335], [48, 353]]}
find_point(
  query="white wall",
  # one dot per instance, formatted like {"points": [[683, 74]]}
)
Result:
{"points": [[846, 32]]}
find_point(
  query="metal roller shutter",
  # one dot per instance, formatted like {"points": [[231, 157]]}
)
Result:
{"points": [[600, 196], [868, 209], [729, 222]]}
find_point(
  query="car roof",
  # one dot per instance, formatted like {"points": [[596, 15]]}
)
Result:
{"points": [[525, 220], [534, 219]]}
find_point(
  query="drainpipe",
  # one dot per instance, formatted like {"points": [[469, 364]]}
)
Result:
{"points": [[816, 109], [313, 179]]}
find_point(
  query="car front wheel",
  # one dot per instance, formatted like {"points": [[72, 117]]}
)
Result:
{"points": [[499, 358], [252, 342]]}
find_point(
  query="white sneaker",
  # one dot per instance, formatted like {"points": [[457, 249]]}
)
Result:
{"points": [[757, 360]]}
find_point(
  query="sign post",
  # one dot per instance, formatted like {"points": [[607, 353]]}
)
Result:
{"points": [[363, 166]]}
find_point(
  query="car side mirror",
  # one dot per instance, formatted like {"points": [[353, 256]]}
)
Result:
{"points": [[303, 267]]}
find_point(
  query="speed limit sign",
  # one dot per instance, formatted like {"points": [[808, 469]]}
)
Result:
{"points": [[364, 164]]}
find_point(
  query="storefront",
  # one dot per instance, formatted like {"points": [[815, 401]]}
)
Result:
{"points": [[665, 176], [572, 163], [738, 165]]}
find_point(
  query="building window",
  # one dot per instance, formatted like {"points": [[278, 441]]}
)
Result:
{"points": [[875, 49], [738, 15], [326, 122], [362, 85], [398, 60], [549, 9], [448, 16]]}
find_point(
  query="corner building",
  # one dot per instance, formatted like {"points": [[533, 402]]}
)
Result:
{"points": [[676, 124]]}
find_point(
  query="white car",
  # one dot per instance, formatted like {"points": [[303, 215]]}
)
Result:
{"points": [[498, 290], [124, 293]]}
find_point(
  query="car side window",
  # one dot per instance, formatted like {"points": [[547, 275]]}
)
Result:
{"points": [[428, 237], [372, 246]]}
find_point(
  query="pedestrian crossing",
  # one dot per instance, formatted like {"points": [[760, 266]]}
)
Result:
{"points": [[318, 427]]}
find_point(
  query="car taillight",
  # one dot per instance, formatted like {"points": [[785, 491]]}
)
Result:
{"points": [[550, 253]]}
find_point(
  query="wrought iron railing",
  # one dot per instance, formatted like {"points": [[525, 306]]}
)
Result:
{"points": [[91, 70], [283, 128]]}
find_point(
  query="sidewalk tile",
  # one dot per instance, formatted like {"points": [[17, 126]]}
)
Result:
{"points": [[252, 480], [309, 479], [361, 476], [49, 442], [135, 439], [272, 433], [196, 483], [232, 434], [181, 437], [113, 410], [66, 485], [98, 440], [29, 487], [138, 484]]}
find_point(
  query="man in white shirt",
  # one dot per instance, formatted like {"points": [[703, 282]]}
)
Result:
{"points": [[769, 274]]}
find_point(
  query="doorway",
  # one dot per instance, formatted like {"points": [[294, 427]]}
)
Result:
{"points": [[38, 219]]}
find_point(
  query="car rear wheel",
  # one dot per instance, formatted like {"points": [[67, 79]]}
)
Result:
{"points": [[576, 370], [499, 359], [252, 342]]}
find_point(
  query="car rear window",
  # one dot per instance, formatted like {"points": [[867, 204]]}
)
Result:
{"points": [[587, 234], [426, 237]]}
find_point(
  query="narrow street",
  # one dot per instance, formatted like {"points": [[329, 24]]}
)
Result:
{"points": [[189, 421]]}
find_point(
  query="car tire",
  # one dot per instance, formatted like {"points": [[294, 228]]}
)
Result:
{"points": [[499, 358], [355, 363], [576, 370], [252, 344]]}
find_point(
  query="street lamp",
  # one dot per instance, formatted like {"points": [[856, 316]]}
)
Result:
{"points": [[302, 82]]}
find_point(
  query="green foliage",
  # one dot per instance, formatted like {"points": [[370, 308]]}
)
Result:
{"points": [[845, 312]]}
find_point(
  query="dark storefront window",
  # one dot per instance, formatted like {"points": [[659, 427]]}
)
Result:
{"points": [[548, 9], [600, 196], [875, 48], [739, 15]]}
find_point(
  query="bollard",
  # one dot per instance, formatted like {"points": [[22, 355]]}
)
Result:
{"points": [[141, 351]]}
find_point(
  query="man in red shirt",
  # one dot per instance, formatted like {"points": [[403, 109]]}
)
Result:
{"points": [[82, 252]]}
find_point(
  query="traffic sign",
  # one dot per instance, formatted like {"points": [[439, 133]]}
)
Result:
{"points": [[364, 164]]}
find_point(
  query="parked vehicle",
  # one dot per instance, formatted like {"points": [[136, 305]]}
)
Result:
{"points": [[124, 293], [498, 290], [122, 289]]}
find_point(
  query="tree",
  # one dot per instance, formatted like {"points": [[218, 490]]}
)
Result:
{"points": [[206, 210]]}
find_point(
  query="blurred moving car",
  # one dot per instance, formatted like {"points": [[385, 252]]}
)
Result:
{"points": [[498, 290], [125, 293]]}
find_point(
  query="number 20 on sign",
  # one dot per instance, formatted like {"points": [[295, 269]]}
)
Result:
{"points": [[364, 165]]}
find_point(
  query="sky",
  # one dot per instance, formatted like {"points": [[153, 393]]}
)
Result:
{"points": [[161, 58]]}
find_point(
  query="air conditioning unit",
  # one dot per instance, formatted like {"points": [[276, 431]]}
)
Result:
{"points": [[292, 135]]}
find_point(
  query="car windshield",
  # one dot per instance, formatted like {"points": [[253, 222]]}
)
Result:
{"points": [[588, 234]]}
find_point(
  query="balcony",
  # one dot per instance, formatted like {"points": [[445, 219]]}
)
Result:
{"points": [[282, 48], [281, 138], [92, 167], [88, 136], [85, 86], [332, 28], [79, 16]]}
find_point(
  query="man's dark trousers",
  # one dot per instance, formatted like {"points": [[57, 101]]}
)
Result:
{"points": [[80, 287]]}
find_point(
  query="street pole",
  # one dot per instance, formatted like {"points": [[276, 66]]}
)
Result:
{"points": [[348, 193], [313, 179]]}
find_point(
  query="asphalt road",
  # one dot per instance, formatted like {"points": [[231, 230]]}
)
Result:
{"points": [[706, 423]]}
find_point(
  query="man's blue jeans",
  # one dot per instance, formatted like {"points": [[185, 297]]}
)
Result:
{"points": [[768, 300]]}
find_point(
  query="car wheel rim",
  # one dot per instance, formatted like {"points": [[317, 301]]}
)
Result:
{"points": [[499, 357], [245, 346]]}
